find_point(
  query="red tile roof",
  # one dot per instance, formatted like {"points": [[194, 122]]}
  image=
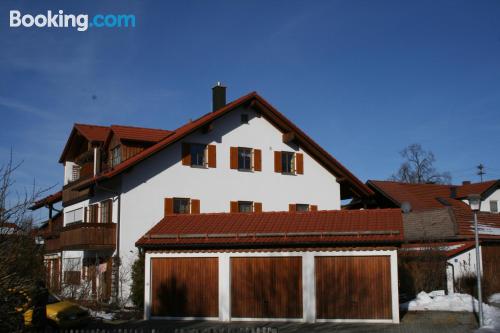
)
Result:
{"points": [[321, 228], [48, 200], [139, 133], [449, 249], [351, 183], [93, 132], [488, 223], [425, 196]]}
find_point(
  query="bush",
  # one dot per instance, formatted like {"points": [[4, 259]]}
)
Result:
{"points": [[137, 289]]}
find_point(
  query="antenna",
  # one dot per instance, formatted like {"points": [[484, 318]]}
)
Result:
{"points": [[481, 171]]}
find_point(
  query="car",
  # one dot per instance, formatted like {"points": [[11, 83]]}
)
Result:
{"points": [[61, 313]]}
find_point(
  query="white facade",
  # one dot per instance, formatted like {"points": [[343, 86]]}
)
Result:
{"points": [[486, 204], [462, 264], [143, 188]]}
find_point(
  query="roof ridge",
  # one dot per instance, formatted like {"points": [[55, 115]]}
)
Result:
{"points": [[139, 127]]}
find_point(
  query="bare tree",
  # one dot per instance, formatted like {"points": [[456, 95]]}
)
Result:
{"points": [[21, 259], [418, 167]]}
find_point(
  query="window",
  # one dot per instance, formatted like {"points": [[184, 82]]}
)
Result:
{"points": [[244, 118], [197, 152], [181, 206], [493, 206], [93, 213], [106, 211], [302, 207], [116, 156], [74, 216], [245, 206], [75, 172], [244, 158], [287, 162]]}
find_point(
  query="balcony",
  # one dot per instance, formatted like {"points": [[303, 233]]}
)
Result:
{"points": [[89, 236], [52, 245]]}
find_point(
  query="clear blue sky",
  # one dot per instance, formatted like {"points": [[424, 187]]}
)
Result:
{"points": [[363, 78]]}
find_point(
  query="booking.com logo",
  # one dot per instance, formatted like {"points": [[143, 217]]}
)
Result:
{"points": [[61, 20]]}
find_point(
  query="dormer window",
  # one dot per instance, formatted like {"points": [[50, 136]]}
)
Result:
{"points": [[116, 156]]}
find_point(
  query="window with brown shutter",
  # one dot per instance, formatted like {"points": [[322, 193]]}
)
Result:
{"points": [[186, 154], [233, 208], [212, 156], [257, 160], [195, 206], [299, 159], [277, 161], [168, 206], [314, 208], [233, 157], [94, 213], [257, 207], [106, 211]]}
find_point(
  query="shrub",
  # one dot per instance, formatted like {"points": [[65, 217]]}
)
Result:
{"points": [[137, 289]]}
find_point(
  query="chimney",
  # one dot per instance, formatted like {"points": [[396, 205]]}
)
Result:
{"points": [[466, 182], [218, 96]]}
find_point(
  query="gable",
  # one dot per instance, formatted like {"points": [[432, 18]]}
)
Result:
{"points": [[350, 185]]}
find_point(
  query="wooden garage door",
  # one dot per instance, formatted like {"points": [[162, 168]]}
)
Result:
{"points": [[184, 287], [353, 287], [269, 287], [491, 268]]}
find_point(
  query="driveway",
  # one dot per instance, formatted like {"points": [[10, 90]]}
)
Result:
{"points": [[418, 322]]}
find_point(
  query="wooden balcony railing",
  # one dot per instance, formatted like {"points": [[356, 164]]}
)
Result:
{"points": [[88, 236], [52, 245]]}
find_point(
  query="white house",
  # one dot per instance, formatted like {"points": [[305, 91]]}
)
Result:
{"points": [[119, 181]]}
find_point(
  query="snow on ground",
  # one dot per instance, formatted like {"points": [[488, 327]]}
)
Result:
{"points": [[438, 301], [102, 315], [495, 298]]}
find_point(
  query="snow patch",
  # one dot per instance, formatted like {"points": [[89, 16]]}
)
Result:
{"points": [[495, 298], [437, 301], [488, 230], [102, 315]]}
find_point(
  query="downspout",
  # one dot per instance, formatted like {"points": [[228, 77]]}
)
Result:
{"points": [[116, 258]]}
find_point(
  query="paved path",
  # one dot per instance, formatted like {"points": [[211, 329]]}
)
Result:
{"points": [[418, 322]]}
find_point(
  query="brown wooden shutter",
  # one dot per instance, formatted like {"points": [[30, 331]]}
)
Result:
{"points": [[186, 154], [299, 159], [257, 207], [85, 214], [277, 161], [110, 211], [169, 206], [257, 160], [195, 206], [95, 213], [212, 156], [234, 207], [313, 208], [233, 158], [292, 207]]}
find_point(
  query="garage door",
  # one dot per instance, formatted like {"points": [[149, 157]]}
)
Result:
{"points": [[353, 287], [491, 267], [266, 287], [184, 287]]}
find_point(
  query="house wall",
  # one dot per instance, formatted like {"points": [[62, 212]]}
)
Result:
{"points": [[144, 187], [495, 196], [461, 265]]}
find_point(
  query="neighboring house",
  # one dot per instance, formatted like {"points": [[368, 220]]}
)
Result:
{"points": [[318, 266], [241, 157], [437, 217]]}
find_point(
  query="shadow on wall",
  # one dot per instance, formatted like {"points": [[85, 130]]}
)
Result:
{"points": [[174, 300]]}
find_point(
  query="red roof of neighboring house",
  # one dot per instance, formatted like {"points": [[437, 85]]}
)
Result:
{"points": [[48, 200], [488, 223], [321, 227], [350, 185], [426, 196], [139, 133], [449, 249]]}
